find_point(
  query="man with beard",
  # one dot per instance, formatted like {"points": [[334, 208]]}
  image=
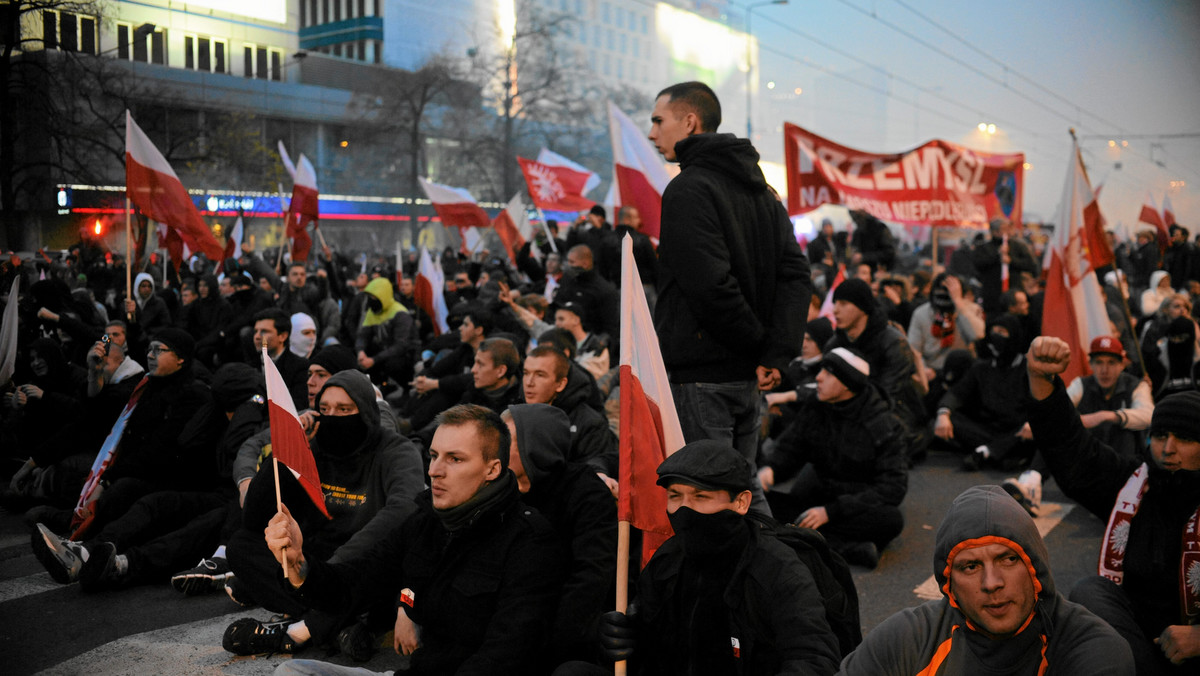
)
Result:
{"points": [[722, 595]]}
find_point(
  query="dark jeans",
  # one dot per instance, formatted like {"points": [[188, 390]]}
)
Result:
{"points": [[880, 525], [168, 531], [1108, 601], [724, 412]]}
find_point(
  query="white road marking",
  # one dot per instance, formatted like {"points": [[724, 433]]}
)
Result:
{"points": [[1052, 514], [26, 586]]}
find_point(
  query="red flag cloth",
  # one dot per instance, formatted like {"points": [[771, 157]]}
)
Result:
{"points": [[555, 188], [288, 444], [152, 185], [304, 208], [455, 206], [827, 305], [1150, 216], [650, 429], [1074, 308], [512, 227], [638, 170], [170, 240], [429, 292], [1099, 252]]}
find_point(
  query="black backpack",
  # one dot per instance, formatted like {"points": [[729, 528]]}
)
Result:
{"points": [[832, 575]]}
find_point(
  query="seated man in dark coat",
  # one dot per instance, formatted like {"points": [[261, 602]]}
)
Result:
{"points": [[476, 570]]}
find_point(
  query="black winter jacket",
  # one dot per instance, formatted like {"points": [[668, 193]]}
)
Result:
{"points": [[733, 284]]}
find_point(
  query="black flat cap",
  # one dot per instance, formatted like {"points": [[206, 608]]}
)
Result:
{"points": [[708, 465]]}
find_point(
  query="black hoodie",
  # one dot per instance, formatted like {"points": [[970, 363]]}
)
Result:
{"points": [[583, 514], [732, 281]]}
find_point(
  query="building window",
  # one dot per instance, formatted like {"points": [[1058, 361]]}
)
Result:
{"points": [[303, 14], [337, 10], [622, 41], [620, 17], [362, 8], [314, 18], [644, 29], [202, 53], [276, 65], [324, 11], [637, 47], [262, 62], [123, 33], [158, 48], [68, 32], [620, 69], [608, 42]]}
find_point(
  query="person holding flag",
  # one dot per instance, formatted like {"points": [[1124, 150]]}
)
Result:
{"points": [[359, 484]]}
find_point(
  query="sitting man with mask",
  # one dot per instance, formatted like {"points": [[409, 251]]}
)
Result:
{"points": [[983, 415], [722, 595], [369, 477], [1000, 613]]}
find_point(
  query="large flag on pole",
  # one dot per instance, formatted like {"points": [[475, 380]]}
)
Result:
{"points": [[551, 158], [455, 206], [638, 170], [305, 206], [513, 228], [288, 443], [555, 188], [650, 429], [1168, 214], [827, 304], [1150, 216], [8, 333], [1074, 308], [429, 292], [152, 185], [233, 240]]}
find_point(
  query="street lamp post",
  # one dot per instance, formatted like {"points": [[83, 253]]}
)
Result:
{"points": [[749, 62]]}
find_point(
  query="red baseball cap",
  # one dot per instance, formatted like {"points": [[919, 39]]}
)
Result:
{"points": [[1107, 345]]}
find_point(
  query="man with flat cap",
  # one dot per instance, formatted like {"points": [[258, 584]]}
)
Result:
{"points": [[722, 596], [840, 466], [1149, 569]]}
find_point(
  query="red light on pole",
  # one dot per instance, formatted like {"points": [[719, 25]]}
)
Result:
{"points": [[97, 228]]}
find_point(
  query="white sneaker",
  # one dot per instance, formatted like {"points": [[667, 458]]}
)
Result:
{"points": [[62, 558]]}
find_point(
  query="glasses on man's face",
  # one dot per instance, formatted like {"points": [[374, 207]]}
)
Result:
{"points": [[156, 350]]}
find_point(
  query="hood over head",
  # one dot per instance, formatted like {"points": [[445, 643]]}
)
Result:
{"points": [[1156, 278], [361, 391], [543, 439], [986, 515], [724, 153], [234, 383]]}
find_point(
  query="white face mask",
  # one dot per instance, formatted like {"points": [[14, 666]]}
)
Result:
{"points": [[301, 345]]}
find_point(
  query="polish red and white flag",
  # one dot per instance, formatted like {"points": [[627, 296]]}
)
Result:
{"points": [[305, 206], [639, 173], [455, 206], [233, 240], [553, 159], [555, 188], [429, 291], [1074, 307], [1151, 216], [650, 429], [827, 304], [289, 445], [1168, 212], [152, 185], [513, 228]]}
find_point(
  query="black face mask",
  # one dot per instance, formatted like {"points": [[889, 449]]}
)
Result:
{"points": [[340, 435], [374, 304], [708, 536]]}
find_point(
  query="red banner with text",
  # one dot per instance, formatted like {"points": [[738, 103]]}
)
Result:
{"points": [[939, 183]]}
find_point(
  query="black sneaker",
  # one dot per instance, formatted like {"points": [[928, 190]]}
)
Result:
{"points": [[100, 572], [357, 642], [1014, 488], [208, 576], [249, 636], [62, 558]]}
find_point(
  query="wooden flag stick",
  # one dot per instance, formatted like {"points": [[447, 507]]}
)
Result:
{"points": [[128, 256], [622, 580]]}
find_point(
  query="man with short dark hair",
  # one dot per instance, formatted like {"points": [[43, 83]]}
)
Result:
{"points": [[722, 596], [272, 327], [591, 351], [474, 569], [583, 284], [549, 379], [1000, 614], [1114, 405], [732, 281]]}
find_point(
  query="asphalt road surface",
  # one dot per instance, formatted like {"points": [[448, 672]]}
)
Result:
{"points": [[47, 628]]}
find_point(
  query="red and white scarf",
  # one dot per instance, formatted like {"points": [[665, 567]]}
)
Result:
{"points": [[1116, 537]]}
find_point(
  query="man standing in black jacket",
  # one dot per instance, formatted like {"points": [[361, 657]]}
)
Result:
{"points": [[732, 281]]}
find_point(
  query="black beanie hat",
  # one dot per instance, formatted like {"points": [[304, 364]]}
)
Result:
{"points": [[1178, 414], [821, 330], [334, 358], [857, 292], [180, 342], [850, 368]]}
